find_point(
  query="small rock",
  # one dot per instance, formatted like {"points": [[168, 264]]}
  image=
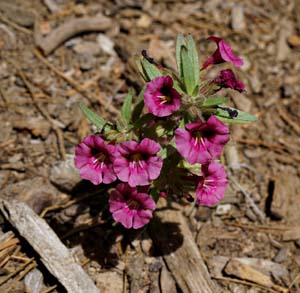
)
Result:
{"points": [[283, 50], [250, 215], [4, 175], [255, 83], [64, 174], [106, 44], [87, 48], [294, 40], [247, 64], [51, 5], [232, 157], [223, 209], [238, 18], [86, 62], [34, 281], [144, 21], [80, 10], [109, 282], [155, 266], [146, 245], [135, 243], [149, 260], [286, 91], [45, 27], [282, 255]]}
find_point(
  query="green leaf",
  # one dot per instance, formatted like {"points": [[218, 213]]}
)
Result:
{"points": [[210, 102], [180, 41], [126, 108], [139, 105], [162, 153], [177, 86], [154, 194], [150, 70], [139, 66], [93, 117], [242, 117], [188, 76], [143, 120], [193, 54]]}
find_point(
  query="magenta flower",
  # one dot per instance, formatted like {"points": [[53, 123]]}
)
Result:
{"points": [[129, 207], [138, 164], [94, 158], [202, 142], [222, 54], [212, 184], [161, 99], [227, 79]]}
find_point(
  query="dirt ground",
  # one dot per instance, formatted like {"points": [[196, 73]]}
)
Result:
{"points": [[250, 242]]}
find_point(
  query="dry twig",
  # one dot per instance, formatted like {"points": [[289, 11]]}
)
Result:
{"points": [[250, 201], [54, 255], [69, 29], [285, 116], [14, 25]]}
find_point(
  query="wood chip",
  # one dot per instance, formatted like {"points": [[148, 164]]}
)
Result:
{"points": [[269, 268], [236, 268], [54, 255], [291, 234], [171, 234], [283, 50]]}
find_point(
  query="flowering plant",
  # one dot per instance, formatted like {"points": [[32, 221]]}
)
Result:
{"points": [[166, 141]]}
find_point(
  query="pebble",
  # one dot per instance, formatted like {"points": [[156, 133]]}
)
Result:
{"points": [[282, 255], [238, 23], [286, 91], [294, 40], [247, 64], [64, 175], [223, 209], [34, 281], [144, 21], [250, 215], [155, 266], [109, 282], [283, 50], [106, 44], [86, 62], [146, 245], [87, 48], [255, 83]]}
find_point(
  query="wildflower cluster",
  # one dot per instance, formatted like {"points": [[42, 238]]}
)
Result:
{"points": [[169, 141]]}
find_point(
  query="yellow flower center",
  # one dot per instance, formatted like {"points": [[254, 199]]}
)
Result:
{"points": [[164, 99]]}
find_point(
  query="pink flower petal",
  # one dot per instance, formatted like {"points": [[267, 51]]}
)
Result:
{"points": [[222, 54], [130, 208], [160, 98], [212, 185]]}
